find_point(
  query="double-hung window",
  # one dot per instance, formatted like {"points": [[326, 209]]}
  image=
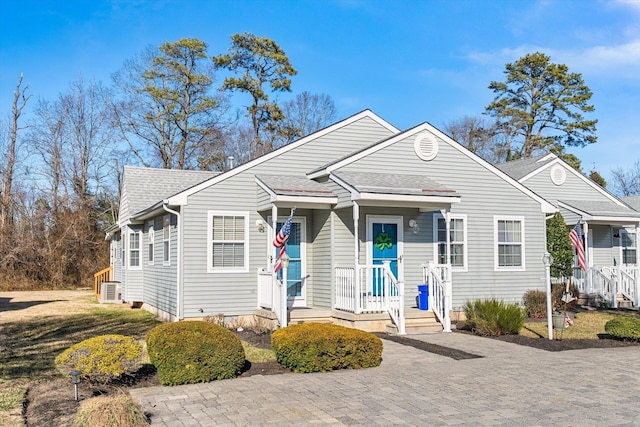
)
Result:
{"points": [[509, 243], [134, 248], [166, 240], [228, 234], [628, 246], [457, 240], [151, 237]]}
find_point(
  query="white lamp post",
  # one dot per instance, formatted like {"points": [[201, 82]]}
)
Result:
{"points": [[547, 259], [284, 260]]}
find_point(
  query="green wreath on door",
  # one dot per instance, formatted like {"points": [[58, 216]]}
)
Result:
{"points": [[383, 241]]}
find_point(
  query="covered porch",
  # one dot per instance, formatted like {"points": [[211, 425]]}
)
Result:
{"points": [[611, 236], [369, 292]]}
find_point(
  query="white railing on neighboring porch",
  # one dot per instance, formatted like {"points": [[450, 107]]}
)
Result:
{"points": [[374, 289], [270, 296], [609, 281], [438, 278]]}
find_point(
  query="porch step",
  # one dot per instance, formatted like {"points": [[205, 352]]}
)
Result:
{"points": [[417, 322], [309, 315]]}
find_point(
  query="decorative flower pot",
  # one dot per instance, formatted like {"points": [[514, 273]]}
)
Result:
{"points": [[557, 320]]}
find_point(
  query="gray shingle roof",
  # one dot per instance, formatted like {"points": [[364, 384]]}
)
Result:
{"points": [[288, 185], [599, 208], [383, 183], [633, 201], [148, 186], [518, 169]]}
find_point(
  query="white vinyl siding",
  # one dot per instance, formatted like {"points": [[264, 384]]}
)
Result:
{"points": [[166, 240], [134, 249], [151, 236], [228, 234], [458, 240], [509, 243]]}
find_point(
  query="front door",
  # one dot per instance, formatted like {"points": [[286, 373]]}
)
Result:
{"points": [[384, 243], [296, 273]]}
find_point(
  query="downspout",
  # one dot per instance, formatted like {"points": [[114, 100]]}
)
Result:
{"points": [[179, 251]]}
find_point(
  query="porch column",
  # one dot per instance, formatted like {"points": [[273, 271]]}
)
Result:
{"points": [[447, 282], [587, 258], [636, 303], [272, 261], [356, 252]]}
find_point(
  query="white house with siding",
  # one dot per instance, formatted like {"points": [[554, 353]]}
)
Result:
{"points": [[610, 225], [378, 212]]}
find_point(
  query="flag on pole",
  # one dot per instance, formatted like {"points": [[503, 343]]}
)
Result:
{"points": [[576, 241], [281, 239]]}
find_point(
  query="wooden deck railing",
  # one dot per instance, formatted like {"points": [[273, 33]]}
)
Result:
{"points": [[104, 275]]}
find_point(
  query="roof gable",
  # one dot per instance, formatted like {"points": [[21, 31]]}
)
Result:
{"points": [[181, 198], [328, 169]]}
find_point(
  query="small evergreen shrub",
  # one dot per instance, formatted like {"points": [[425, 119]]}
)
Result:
{"points": [[119, 410], [194, 351], [494, 317], [321, 347], [625, 328], [535, 303], [102, 358]]}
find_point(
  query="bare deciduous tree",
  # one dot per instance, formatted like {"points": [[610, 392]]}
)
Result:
{"points": [[627, 182]]}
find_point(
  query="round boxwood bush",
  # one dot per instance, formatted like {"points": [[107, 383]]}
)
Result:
{"points": [[194, 351], [625, 328], [321, 347], [102, 358]]}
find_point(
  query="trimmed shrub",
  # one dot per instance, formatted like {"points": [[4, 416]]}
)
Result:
{"points": [[119, 410], [494, 317], [322, 347], [625, 328], [102, 358], [535, 303], [193, 352]]}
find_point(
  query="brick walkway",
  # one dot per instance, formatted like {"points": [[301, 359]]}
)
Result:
{"points": [[511, 385]]}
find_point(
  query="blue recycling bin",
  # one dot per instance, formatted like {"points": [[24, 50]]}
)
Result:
{"points": [[423, 297]]}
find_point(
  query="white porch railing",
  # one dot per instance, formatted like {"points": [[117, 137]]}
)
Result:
{"points": [[438, 278], [374, 289], [609, 281], [270, 296], [628, 279]]}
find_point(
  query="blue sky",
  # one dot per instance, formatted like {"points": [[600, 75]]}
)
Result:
{"points": [[408, 61]]}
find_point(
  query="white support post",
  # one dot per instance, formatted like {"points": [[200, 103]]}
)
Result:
{"points": [[283, 319], [447, 284], [272, 260], [356, 254], [385, 284], [587, 258], [637, 271]]}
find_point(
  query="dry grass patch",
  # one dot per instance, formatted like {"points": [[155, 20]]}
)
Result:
{"points": [[119, 410], [257, 355], [586, 325], [11, 396]]}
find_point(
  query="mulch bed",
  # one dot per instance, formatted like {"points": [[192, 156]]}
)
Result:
{"points": [[50, 402]]}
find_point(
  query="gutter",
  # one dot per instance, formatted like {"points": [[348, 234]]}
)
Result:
{"points": [[166, 208]]}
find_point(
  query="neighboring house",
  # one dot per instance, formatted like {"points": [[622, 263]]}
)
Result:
{"points": [[377, 213], [610, 226]]}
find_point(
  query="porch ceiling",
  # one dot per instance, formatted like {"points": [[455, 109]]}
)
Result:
{"points": [[377, 189], [600, 212]]}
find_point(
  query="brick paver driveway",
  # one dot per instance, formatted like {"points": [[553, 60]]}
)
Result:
{"points": [[510, 385]]}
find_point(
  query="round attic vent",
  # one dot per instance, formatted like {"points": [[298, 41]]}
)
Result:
{"points": [[426, 146], [558, 175]]}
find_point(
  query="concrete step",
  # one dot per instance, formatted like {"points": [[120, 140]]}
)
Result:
{"points": [[416, 325]]}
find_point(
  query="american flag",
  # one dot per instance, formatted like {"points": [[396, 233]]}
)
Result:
{"points": [[576, 241], [281, 240]]}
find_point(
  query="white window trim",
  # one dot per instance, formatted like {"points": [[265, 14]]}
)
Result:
{"points": [[210, 268], [497, 267], [151, 243], [465, 242], [166, 260], [129, 250]]}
